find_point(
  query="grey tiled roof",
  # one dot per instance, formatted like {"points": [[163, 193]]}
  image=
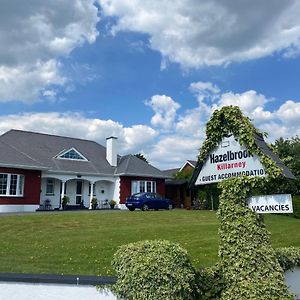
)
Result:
{"points": [[171, 172], [37, 150], [131, 165], [12, 157], [43, 148]]}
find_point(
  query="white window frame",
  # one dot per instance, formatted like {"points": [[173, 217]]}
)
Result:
{"points": [[50, 183], [141, 186], [19, 185], [64, 152]]}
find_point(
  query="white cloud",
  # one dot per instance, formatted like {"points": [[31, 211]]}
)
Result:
{"points": [[26, 83], [164, 148], [33, 37], [201, 86], [289, 112], [171, 151], [165, 109], [197, 33], [138, 136], [247, 101], [250, 102], [204, 91], [131, 139]]}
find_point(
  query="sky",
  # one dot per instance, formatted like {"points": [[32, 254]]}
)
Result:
{"points": [[148, 72]]}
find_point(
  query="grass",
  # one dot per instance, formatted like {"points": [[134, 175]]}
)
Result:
{"points": [[84, 242]]}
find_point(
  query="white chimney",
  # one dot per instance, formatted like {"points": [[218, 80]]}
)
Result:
{"points": [[111, 150]]}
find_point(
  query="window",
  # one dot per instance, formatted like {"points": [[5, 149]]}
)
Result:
{"points": [[143, 186], [50, 186], [71, 154], [3, 184], [11, 184]]}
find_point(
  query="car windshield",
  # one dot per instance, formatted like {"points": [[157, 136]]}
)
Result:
{"points": [[138, 195]]}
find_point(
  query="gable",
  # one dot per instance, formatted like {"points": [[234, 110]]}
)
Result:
{"points": [[71, 154], [44, 149]]}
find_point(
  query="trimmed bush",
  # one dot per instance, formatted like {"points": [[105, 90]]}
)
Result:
{"points": [[154, 270], [248, 261], [288, 257], [211, 283]]}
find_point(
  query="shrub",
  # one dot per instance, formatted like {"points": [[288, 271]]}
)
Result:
{"points": [[288, 257], [154, 270], [296, 207], [248, 261], [210, 283]]}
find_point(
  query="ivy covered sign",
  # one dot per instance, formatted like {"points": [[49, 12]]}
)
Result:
{"points": [[229, 159], [235, 154]]}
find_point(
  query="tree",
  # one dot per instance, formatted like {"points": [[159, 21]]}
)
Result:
{"points": [[184, 174], [142, 157], [288, 151]]}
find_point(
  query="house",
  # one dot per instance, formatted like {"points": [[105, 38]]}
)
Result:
{"points": [[178, 189], [38, 170]]}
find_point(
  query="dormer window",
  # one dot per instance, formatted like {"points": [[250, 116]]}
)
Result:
{"points": [[71, 154]]}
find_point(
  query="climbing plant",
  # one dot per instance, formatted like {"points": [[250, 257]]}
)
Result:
{"points": [[230, 120], [247, 260]]}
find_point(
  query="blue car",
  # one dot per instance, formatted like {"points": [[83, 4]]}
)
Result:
{"points": [[146, 201]]}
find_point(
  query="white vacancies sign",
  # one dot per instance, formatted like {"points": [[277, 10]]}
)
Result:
{"points": [[271, 204], [229, 159]]}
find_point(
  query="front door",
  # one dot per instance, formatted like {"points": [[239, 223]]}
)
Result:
{"points": [[79, 192]]}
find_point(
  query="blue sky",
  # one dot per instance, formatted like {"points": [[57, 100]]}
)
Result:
{"points": [[149, 72]]}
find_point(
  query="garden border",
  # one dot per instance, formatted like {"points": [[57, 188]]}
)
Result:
{"points": [[58, 279]]}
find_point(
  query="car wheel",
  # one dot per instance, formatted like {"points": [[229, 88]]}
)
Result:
{"points": [[170, 207], [131, 208], [145, 207]]}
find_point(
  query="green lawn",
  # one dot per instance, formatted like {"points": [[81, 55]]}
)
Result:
{"points": [[84, 242]]}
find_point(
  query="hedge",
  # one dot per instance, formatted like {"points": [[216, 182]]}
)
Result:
{"points": [[158, 270]]}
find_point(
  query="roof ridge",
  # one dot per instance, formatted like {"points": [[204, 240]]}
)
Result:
{"points": [[127, 163], [54, 135], [23, 153]]}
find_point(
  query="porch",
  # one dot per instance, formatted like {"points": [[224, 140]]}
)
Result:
{"points": [[79, 192]]}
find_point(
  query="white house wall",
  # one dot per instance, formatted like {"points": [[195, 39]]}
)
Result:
{"points": [[105, 188], [11, 208], [55, 198]]}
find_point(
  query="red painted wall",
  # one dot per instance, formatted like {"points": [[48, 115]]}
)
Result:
{"points": [[32, 187], [125, 186]]}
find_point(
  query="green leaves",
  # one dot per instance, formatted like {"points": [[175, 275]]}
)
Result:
{"points": [[230, 120], [288, 257], [155, 269], [248, 263]]}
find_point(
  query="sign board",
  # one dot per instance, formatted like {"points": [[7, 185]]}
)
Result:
{"points": [[229, 159], [271, 204]]}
